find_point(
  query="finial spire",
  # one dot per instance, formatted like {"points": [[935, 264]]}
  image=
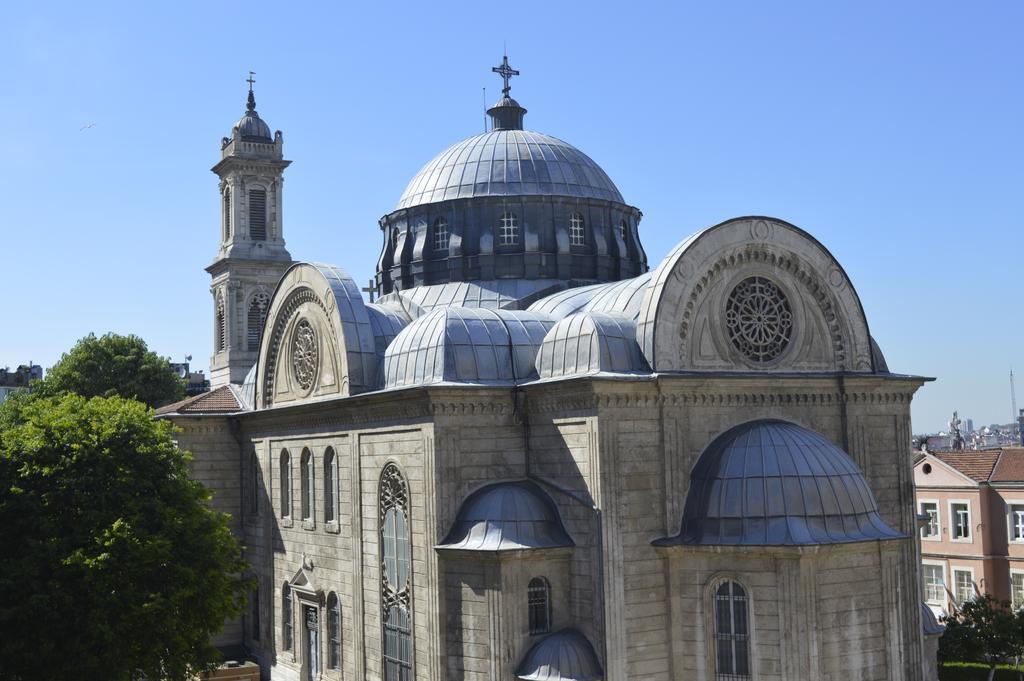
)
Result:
{"points": [[506, 72], [251, 106]]}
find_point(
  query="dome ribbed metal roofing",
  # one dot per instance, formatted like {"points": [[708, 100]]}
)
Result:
{"points": [[507, 516], [509, 163], [253, 128], [775, 483], [563, 656]]}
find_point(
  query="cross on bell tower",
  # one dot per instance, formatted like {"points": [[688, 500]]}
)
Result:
{"points": [[506, 72]]}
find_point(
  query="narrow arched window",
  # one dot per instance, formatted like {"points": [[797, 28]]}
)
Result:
{"points": [[330, 486], [577, 235], [222, 324], [255, 613], [307, 484], [393, 510], [286, 484], [227, 213], [254, 500], [732, 632], [441, 236], [333, 632], [508, 229], [623, 229], [286, 617], [257, 316], [258, 214], [538, 599]]}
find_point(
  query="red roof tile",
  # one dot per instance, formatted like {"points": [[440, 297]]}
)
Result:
{"points": [[1010, 467], [977, 466], [219, 401]]}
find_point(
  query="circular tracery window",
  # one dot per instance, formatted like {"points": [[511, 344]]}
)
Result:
{"points": [[305, 356], [759, 319]]}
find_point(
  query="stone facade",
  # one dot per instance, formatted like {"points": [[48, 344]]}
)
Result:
{"points": [[491, 484]]}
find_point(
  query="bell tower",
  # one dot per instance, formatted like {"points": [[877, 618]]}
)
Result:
{"points": [[252, 256]]}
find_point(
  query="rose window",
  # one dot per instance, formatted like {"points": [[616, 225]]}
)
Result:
{"points": [[305, 358], [758, 319]]}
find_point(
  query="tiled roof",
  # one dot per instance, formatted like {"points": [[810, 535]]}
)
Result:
{"points": [[220, 401], [977, 466], [1010, 467]]}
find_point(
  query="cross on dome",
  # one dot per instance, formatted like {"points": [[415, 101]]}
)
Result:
{"points": [[506, 72]]}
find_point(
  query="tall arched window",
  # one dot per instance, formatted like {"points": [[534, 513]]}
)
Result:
{"points": [[538, 599], [258, 214], [333, 632], [307, 484], [393, 513], [286, 616], [222, 324], [623, 229], [227, 213], [254, 500], [255, 613], [441, 236], [257, 316], [577, 235], [732, 633], [330, 486], [286, 484], [508, 229]]}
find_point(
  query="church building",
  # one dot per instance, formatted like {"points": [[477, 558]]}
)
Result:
{"points": [[532, 455]]}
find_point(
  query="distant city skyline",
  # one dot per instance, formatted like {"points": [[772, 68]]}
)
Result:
{"points": [[890, 132]]}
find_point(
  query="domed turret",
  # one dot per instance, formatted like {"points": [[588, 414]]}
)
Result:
{"points": [[510, 204], [251, 127]]}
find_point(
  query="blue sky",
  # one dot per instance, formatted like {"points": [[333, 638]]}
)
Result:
{"points": [[891, 131]]}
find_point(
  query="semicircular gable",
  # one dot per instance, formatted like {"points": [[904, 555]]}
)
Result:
{"points": [[753, 294], [318, 341]]}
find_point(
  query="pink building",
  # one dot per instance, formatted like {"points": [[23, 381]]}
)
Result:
{"points": [[973, 540]]}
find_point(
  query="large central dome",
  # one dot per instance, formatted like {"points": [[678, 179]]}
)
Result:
{"points": [[509, 206], [509, 163]]}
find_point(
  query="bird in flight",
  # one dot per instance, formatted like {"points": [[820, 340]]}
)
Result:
{"points": [[86, 127]]}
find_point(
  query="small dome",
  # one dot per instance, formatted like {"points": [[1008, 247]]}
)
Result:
{"points": [[774, 483], [509, 163], [590, 343], [465, 345], [507, 516], [252, 128], [563, 656]]}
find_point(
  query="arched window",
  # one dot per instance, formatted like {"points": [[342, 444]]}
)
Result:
{"points": [[393, 509], [257, 316], [623, 229], [254, 500], [254, 604], [330, 486], [732, 633], [227, 213], [333, 632], [441, 236], [306, 483], [508, 229], [538, 599], [286, 484], [258, 214], [577, 236], [286, 616], [222, 324]]}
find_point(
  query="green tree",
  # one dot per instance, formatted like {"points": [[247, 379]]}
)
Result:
{"points": [[114, 365], [985, 629], [113, 565]]}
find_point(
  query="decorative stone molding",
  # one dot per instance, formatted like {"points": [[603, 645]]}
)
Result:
{"points": [[678, 322]]}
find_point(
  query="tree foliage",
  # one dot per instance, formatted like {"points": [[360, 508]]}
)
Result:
{"points": [[985, 630], [114, 365], [113, 565]]}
